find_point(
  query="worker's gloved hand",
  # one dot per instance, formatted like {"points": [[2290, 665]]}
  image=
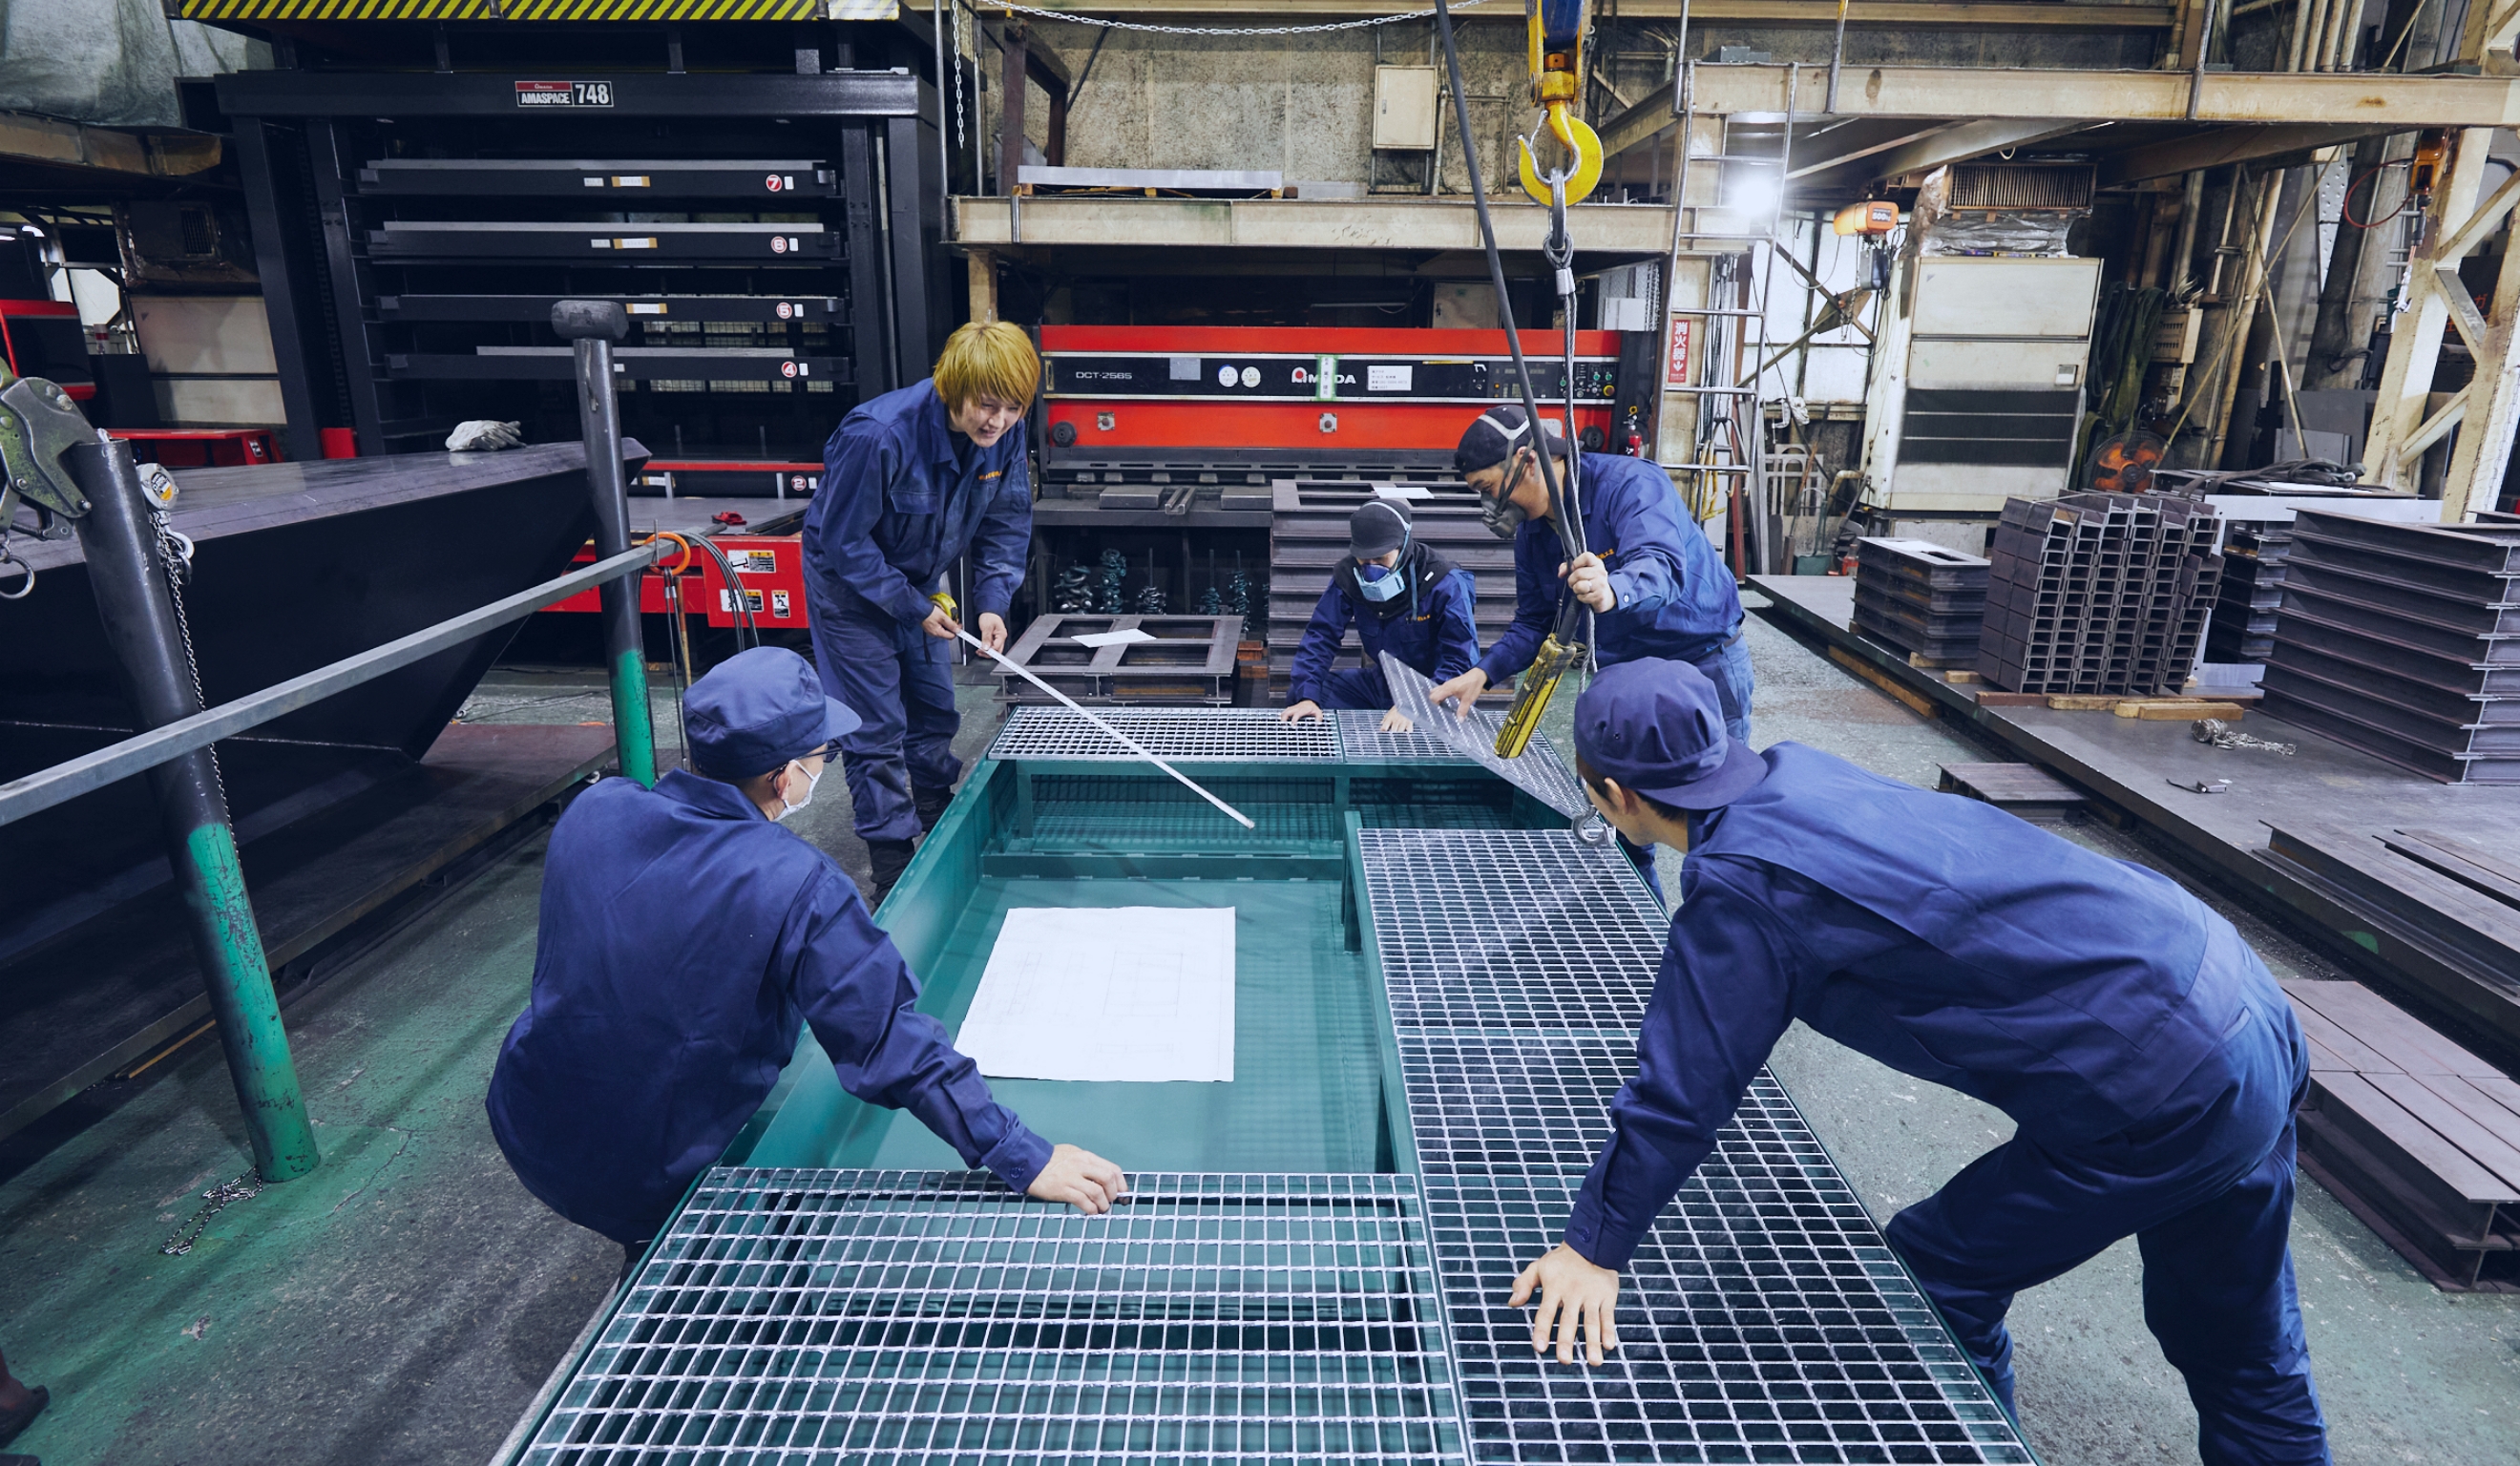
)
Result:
{"points": [[1082, 1179], [1590, 579], [993, 631], [1396, 720], [1297, 712], [1463, 690], [1572, 1292], [940, 625], [482, 435]]}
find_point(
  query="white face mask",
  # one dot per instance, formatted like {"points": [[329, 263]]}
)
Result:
{"points": [[812, 778]]}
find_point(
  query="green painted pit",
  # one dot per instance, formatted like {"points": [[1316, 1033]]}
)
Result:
{"points": [[1311, 1031]]}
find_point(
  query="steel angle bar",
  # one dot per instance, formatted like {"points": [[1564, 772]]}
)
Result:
{"points": [[1474, 737], [41, 790]]}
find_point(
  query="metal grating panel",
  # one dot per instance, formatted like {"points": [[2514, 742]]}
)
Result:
{"points": [[1492, 1106], [1763, 1320], [1539, 771], [888, 1316], [1511, 929], [1225, 732]]}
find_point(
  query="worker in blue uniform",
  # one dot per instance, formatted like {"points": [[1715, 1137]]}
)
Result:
{"points": [[1403, 596], [2148, 1061], [912, 481], [1651, 578], [685, 938]]}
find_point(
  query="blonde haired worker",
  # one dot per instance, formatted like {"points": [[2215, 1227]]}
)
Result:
{"points": [[911, 481]]}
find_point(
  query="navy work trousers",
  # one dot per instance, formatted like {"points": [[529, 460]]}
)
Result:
{"points": [[2205, 1186], [898, 681]]}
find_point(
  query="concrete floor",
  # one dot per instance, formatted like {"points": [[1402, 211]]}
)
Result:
{"points": [[404, 1303]]}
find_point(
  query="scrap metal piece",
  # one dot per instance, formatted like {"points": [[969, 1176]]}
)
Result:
{"points": [[1474, 737], [2203, 785], [2222, 735]]}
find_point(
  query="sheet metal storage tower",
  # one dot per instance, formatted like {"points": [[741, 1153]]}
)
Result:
{"points": [[761, 197]]}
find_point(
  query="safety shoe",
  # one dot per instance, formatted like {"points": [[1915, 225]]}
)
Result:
{"points": [[889, 858], [932, 805], [14, 1421]]}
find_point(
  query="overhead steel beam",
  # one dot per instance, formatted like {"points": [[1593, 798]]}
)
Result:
{"points": [[2375, 101], [1944, 145], [1890, 133], [2224, 145], [1905, 15]]}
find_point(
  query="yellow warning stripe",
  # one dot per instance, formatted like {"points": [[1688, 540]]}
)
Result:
{"points": [[500, 9]]}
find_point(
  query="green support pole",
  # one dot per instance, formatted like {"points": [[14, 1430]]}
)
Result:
{"points": [[125, 572], [591, 326]]}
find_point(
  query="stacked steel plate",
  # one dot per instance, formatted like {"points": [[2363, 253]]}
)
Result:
{"points": [[2404, 641], [2243, 628], [1921, 597], [2098, 593]]}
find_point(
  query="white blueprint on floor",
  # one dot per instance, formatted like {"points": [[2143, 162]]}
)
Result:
{"points": [[1139, 994]]}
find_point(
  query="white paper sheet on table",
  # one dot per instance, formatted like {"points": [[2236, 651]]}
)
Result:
{"points": [[1112, 637], [1136, 993]]}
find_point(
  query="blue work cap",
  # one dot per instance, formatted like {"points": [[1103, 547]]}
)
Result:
{"points": [[1656, 727], [756, 710]]}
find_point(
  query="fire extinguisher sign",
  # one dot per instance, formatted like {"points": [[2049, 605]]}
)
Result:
{"points": [[1675, 372]]}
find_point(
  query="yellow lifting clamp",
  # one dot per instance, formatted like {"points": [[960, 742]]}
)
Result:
{"points": [[1558, 89]]}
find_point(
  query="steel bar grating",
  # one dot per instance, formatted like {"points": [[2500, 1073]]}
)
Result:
{"points": [[1235, 733], [1754, 1326], [1763, 1320], [887, 1316], [1511, 929], [1362, 741]]}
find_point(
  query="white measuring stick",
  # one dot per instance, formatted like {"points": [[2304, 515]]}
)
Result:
{"points": [[1126, 741]]}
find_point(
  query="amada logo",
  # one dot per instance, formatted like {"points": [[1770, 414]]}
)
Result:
{"points": [[1304, 376]]}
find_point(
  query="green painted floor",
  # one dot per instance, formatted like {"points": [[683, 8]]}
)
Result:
{"points": [[404, 1303]]}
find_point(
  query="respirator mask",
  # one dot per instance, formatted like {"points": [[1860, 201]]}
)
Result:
{"points": [[1379, 583], [1501, 516], [812, 778]]}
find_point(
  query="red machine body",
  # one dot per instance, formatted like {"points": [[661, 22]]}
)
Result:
{"points": [[44, 338], [1267, 390], [203, 447], [771, 569]]}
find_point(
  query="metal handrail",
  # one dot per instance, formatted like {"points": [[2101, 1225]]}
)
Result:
{"points": [[64, 781]]}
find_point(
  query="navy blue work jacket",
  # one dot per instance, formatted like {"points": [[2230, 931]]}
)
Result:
{"points": [[1440, 637], [684, 938], [895, 511], [1939, 935], [1675, 598]]}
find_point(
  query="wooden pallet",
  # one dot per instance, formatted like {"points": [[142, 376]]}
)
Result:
{"points": [[2411, 1128]]}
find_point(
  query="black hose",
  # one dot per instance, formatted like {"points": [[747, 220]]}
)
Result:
{"points": [[1496, 272], [743, 622]]}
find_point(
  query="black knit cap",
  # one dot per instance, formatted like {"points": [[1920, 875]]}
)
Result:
{"points": [[1494, 435], [1379, 526]]}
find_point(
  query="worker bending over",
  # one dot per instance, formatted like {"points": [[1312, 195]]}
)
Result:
{"points": [[2149, 1063], [911, 481], [1404, 598], [685, 937]]}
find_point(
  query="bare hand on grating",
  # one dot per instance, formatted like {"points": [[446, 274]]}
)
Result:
{"points": [[1081, 1179], [1572, 1292]]}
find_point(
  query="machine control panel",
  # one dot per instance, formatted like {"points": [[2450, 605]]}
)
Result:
{"points": [[1275, 376]]}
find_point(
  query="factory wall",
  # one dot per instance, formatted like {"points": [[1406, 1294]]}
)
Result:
{"points": [[1302, 104], [112, 62]]}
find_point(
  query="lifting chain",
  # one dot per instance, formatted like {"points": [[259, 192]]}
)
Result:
{"points": [[175, 558], [215, 1200]]}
